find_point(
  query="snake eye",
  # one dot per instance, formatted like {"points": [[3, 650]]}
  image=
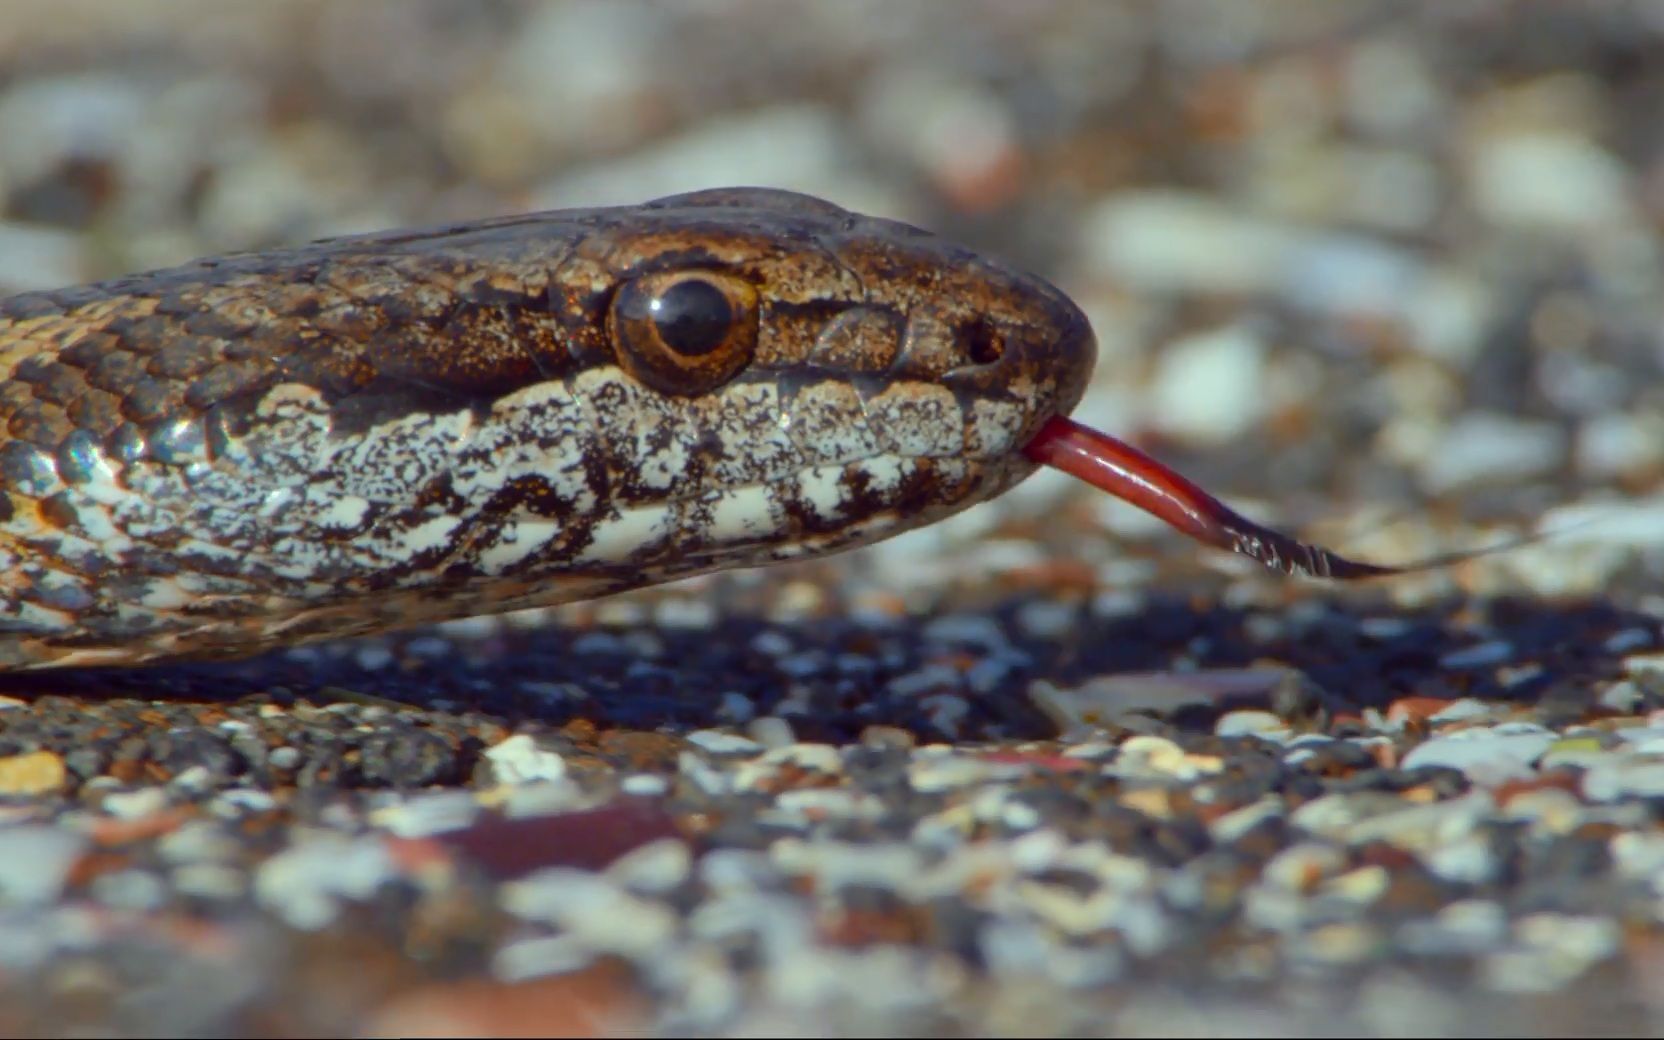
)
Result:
{"points": [[685, 332]]}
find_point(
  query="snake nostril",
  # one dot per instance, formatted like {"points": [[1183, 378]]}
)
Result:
{"points": [[984, 342]]}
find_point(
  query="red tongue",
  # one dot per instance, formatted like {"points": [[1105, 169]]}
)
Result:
{"points": [[1128, 473]]}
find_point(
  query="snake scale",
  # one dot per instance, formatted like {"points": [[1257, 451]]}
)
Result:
{"points": [[383, 430]]}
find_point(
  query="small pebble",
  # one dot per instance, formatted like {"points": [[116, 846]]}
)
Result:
{"points": [[1243, 723], [718, 742], [32, 773], [35, 861], [518, 760], [771, 731], [645, 785]]}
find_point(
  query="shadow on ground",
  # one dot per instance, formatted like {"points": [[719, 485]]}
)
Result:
{"points": [[833, 677]]}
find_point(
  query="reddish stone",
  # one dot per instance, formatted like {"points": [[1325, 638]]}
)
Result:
{"points": [[416, 856], [1065, 575], [1560, 779], [95, 864], [1204, 812], [959, 661], [597, 1001], [511, 848], [985, 186], [858, 928], [1384, 854], [127, 770], [582, 732], [1216, 106], [886, 603], [1415, 708], [1348, 719], [643, 752], [114, 831], [1038, 760]]}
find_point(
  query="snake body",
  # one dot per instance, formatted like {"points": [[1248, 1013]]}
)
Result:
{"points": [[383, 430]]}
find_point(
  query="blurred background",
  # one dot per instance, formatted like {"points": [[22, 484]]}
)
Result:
{"points": [[1384, 273], [1349, 262]]}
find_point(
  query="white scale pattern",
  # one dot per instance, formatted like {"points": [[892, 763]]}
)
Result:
{"points": [[317, 512]]}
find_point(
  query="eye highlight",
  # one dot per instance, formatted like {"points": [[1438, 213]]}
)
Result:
{"points": [[685, 332]]}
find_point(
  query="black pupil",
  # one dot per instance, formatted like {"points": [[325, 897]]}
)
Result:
{"points": [[692, 317]]}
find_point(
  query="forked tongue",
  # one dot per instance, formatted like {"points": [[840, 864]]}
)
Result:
{"points": [[1125, 472]]}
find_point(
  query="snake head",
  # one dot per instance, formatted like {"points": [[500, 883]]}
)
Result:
{"points": [[800, 378]]}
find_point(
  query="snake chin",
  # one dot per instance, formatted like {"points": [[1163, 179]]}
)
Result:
{"points": [[815, 511]]}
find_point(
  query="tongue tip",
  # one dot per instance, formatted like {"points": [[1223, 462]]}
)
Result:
{"points": [[1288, 556]]}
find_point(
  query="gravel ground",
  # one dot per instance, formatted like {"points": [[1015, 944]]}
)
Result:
{"points": [[1385, 275]]}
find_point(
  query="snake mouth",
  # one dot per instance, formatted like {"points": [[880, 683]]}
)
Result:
{"points": [[839, 505], [812, 511]]}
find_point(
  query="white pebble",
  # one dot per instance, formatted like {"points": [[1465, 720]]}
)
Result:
{"points": [[929, 775], [519, 760], [771, 731], [974, 629], [719, 742], [656, 867], [1469, 860], [1552, 181], [35, 861], [305, 882], [822, 758], [1298, 867], [1628, 639], [1237, 822], [239, 801], [1487, 756], [1046, 619], [928, 679], [594, 908], [135, 890], [736, 707], [1494, 651], [703, 775], [771, 643], [214, 881], [1209, 387], [840, 802], [1169, 241], [1345, 274], [1462, 710], [428, 813], [1249, 721], [945, 711], [135, 804], [645, 785], [540, 956], [1610, 780], [284, 757], [684, 613], [1615, 443], [1480, 448], [374, 657]]}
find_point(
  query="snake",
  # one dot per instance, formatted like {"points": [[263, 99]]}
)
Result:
{"points": [[377, 431]]}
